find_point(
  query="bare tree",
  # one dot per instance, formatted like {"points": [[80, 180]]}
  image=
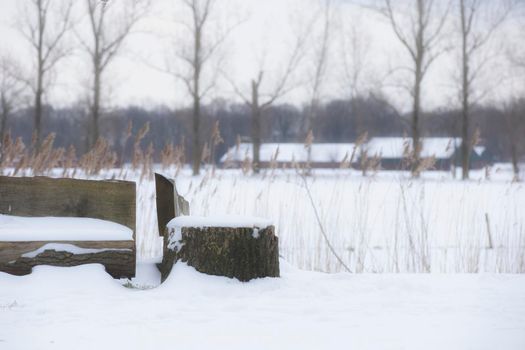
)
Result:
{"points": [[109, 26], [199, 47], [319, 68], [420, 36], [359, 81], [259, 101], [11, 88], [319, 64], [476, 29], [200, 14], [44, 25]]}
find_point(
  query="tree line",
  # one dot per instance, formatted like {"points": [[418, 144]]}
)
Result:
{"points": [[338, 121], [51, 31]]}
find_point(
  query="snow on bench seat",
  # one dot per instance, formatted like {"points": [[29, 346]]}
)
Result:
{"points": [[27, 229]]}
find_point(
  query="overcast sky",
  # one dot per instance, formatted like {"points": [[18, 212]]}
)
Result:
{"points": [[263, 37]]}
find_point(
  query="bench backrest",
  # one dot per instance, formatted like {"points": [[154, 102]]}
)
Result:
{"points": [[169, 203], [43, 196]]}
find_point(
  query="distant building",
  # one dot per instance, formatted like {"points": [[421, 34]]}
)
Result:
{"points": [[480, 157], [391, 153], [322, 155]]}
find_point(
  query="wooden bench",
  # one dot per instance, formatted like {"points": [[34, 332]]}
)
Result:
{"points": [[67, 222]]}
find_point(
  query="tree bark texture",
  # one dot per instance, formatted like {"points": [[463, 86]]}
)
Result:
{"points": [[242, 253], [197, 152], [465, 92], [197, 68], [38, 115], [39, 91], [418, 79]]}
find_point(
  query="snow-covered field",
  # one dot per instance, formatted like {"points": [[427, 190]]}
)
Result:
{"points": [[386, 223], [383, 223], [83, 308]]}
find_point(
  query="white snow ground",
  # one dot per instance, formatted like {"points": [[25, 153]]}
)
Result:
{"points": [[83, 308]]}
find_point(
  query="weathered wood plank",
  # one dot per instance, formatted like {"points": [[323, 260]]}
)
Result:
{"points": [[42, 196], [119, 261], [169, 203], [12, 250], [165, 201]]}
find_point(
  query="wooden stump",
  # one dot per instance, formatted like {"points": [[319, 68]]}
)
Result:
{"points": [[244, 253]]}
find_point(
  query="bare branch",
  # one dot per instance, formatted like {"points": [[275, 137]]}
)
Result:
{"points": [[198, 49], [389, 13]]}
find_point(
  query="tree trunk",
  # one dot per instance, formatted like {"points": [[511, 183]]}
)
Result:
{"points": [[3, 121], [38, 118], [256, 128], [416, 142], [512, 123], [242, 253], [465, 146], [465, 113], [95, 108], [39, 91], [197, 154], [356, 111], [308, 135], [418, 78], [515, 165]]}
